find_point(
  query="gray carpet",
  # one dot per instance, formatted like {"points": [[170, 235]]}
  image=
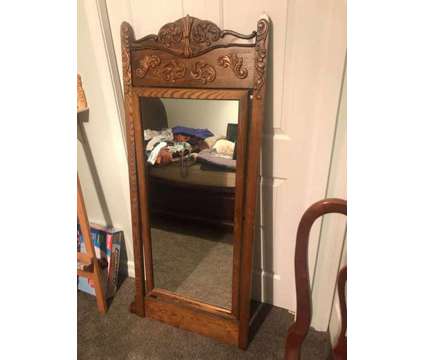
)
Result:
{"points": [[122, 335], [194, 261]]}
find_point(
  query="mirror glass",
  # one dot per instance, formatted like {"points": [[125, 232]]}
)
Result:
{"points": [[190, 151]]}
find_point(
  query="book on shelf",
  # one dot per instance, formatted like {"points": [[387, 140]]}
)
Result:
{"points": [[107, 246]]}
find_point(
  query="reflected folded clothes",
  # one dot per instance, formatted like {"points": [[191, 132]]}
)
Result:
{"points": [[165, 152], [154, 137], [210, 157], [177, 148], [200, 133], [150, 134], [155, 152]]}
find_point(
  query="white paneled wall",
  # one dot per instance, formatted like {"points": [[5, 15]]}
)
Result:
{"points": [[332, 248], [103, 131], [308, 46]]}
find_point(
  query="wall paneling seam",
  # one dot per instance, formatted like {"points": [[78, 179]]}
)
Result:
{"points": [[329, 173], [102, 12]]}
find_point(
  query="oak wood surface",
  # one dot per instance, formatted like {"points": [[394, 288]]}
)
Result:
{"points": [[239, 201], [138, 306], [95, 274], [252, 175], [169, 295], [143, 194], [194, 59], [188, 317], [181, 93], [206, 71]]}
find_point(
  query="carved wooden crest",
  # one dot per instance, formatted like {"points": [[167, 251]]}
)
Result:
{"points": [[194, 52], [189, 37]]}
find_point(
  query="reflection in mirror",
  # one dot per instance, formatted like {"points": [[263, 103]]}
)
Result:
{"points": [[191, 159]]}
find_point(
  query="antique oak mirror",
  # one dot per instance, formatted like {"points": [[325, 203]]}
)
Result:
{"points": [[194, 103]]}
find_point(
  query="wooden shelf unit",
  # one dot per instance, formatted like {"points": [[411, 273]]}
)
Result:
{"points": [[88, 265]]}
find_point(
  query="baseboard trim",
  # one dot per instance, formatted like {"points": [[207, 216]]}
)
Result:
{"points": [[130, 268], [263, 286]]}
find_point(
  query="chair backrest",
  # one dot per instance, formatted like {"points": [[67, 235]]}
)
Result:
{"points": [[299, 329]]}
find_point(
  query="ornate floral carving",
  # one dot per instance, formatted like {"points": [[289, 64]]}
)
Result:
{"points": [[260, 59], [170, 34], [171, 71], [205, 32], [189, 37], [235, 63], [174, 70], [203, 72], [125, 47], [149, 61]]}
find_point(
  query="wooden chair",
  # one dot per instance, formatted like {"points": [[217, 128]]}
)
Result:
{"points": [[297, 332], [88, 264]]}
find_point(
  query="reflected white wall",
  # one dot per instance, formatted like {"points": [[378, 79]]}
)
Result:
{"points": [[213, 115]]}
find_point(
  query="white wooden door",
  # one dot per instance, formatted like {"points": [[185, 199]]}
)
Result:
{"points": [[304, 81]]}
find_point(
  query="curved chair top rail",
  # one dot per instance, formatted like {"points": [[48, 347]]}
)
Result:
{"points": [[299, 329]]}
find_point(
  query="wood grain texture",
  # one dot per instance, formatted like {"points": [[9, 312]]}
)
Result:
{"points": [[181, 93], [95, 274], [239, 200], [182, 299], [190, 37], [143, 193], [219, 68], [252, 174], [194, 59], [188, 317], [298, 331], [127, 36]]}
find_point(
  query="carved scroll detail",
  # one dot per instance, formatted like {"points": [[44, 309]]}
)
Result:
{"points": [[149, 61], [260, 58], [171, 72], [189, 37], [205, 32], [170, 34], [126, 66], [203, 72], [235, 63]]}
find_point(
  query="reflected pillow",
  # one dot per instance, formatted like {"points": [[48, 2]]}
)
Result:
{"points": [[224, 147]]}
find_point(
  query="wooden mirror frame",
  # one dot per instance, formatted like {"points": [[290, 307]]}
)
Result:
{"points": [[193, 58]]}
